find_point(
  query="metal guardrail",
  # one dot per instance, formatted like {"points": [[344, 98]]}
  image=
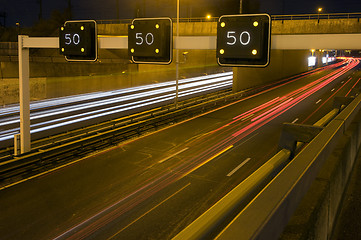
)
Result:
{"points": [[131, 118], [112, 132]]}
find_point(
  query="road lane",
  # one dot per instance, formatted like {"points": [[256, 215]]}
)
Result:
{"points": [[127, 186]]}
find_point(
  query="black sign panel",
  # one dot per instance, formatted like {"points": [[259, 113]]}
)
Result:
{"points": [[244, 40], [150, 40], [78, 40]]}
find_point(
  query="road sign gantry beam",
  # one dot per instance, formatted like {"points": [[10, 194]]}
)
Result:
{"points": [[278, 42]]}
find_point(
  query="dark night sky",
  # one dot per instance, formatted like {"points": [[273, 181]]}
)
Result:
{"points": [[26, 11]]}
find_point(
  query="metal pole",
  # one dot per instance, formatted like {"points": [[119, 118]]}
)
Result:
{"points": [[177, 59], [24, 95]]}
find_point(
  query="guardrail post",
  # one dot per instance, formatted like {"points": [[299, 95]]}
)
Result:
{"points": [[17, 144], [24, 95]]}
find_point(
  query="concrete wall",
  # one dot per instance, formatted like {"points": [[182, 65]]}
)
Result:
{"points": [[185, 29], [59, 69], [315, 26], [112, 71], [197, 62], [316, 215], [282, 64], [312, 26], [9, 90]]}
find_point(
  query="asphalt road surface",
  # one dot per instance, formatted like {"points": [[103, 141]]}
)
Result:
{"points": [[154, 186]]}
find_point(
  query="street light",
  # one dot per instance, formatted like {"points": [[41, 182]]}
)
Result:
{"points": [[319, 10], [208, 16], [18, 27]]}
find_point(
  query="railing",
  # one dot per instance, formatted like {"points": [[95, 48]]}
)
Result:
{"points": [[127, 21], [317, 16], [274, 17]]}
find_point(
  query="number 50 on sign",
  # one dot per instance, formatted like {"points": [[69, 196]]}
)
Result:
{"points": [[78, 40], [150, 40], [244, 40]]}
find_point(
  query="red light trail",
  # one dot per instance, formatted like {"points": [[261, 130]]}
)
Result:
{"points": [[236, 130]]}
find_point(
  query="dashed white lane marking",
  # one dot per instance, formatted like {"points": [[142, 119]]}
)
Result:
{"points": [[173, 155], [238, 167], [294, 121], [245, 118]]}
